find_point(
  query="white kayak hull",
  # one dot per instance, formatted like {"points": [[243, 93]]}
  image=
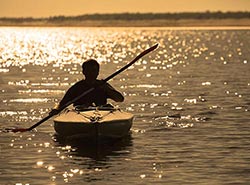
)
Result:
{"points": [[110, 123]]}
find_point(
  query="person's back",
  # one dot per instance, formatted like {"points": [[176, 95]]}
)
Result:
{"points": [[98, 97]]}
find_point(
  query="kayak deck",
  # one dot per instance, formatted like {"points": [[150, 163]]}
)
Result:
{"points": [[110, 123]]}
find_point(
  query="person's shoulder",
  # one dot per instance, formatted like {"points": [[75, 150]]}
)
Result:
{"points": [[78, 84], [102, 82]]}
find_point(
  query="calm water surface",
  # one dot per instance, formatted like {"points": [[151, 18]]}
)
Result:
{"points": [[190, 98]]}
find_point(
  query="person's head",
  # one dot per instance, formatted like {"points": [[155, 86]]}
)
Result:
{"points": [[90, 69]]}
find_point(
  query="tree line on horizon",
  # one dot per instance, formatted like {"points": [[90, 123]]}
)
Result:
{"points": [[135, 16]]}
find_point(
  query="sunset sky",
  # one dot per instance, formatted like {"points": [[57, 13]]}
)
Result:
{"points": [[46, 8]]}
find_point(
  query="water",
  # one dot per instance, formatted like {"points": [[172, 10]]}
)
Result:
{"points": [[190, 99]]}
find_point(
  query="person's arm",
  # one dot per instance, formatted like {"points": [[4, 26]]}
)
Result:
{"points": [[113, 93], [69, 95]]}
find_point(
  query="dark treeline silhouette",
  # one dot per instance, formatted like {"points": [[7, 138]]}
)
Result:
{"points": [[153, 16], [135, 16], [21, 19]]}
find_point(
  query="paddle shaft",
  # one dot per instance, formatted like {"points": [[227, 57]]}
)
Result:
{"points": [[91, 89]]}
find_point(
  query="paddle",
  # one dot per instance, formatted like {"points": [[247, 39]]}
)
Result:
{"points": [[84, 93]]}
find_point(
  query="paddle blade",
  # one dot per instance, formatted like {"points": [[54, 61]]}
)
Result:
{"points": [[16, 130], [154, 47], [20, 130]]}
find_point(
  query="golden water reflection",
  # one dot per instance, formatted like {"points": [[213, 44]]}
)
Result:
{"points": [[190, 100]]}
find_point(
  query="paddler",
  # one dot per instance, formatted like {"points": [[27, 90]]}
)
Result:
{"points": [[98, 97]]}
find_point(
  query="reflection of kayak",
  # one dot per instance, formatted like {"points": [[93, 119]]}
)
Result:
{"points": [[93, 122]]}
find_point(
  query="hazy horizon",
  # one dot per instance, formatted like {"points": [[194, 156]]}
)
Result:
{"points": [[131, 13], [48, 8]]}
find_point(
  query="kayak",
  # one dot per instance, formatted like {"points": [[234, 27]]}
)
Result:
{"points": [[93, 122]]}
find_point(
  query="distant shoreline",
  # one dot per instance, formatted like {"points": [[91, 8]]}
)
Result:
{"points": [[135, 23], [195, 19]]}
